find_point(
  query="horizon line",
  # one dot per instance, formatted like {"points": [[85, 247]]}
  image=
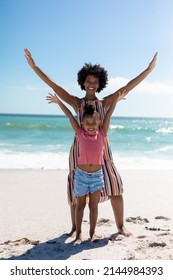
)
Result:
{"points": [[63, 115]]}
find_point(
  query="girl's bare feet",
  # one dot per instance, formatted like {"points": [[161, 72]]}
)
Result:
{"points": [[71, 232], [78, 239], [94, 238]]}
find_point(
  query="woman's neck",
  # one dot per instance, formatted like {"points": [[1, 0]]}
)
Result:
{"points": [[90, 98]]}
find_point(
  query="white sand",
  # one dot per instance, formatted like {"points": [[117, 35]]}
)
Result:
{"points": [[35, 218]]}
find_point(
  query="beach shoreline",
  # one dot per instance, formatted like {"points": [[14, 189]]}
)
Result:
{"points": [[36, 217]]}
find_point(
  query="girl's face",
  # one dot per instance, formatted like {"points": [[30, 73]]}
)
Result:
{"points": [[91, 124], [91, 85]]}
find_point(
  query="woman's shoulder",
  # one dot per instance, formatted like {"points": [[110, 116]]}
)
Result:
{"points": [[77, 103]]}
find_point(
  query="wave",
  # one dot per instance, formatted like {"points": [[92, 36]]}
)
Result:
{"points": [[116, 127], [142, 162], [131, 128], [165, 149], [21, 126], [165, 130], [42, 160], [53, 161]]}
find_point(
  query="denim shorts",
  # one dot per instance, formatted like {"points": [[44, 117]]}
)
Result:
{"points": [[85, 182]]}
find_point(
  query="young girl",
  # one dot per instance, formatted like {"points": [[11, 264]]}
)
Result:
{"points": [[88, 179], [93, 79]]}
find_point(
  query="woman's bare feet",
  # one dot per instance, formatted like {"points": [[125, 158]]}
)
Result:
{"points": [[122, 230]]}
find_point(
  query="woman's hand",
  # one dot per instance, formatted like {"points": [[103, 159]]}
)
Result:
{"points": [[153, 62], [29, 58]]}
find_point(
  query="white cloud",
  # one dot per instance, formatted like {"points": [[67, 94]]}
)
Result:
{"points": [[33, 88], [26, 88], [144, 87]]}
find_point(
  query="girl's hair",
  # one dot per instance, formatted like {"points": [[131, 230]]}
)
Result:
{"points": [[89, 110], [95, 70]]}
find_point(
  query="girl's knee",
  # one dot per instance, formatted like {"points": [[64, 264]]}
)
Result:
{"points": [[80, 206], [93, 207]]}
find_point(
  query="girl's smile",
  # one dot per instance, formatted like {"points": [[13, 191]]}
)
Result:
{"points": [[90, 125]]}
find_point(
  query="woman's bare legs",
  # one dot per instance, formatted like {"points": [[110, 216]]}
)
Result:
{"points": [[72, 212], [80, 206], [118, 209], [93, 206]]}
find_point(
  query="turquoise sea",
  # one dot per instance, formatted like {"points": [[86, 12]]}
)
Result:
{"points": [[44, 141]]}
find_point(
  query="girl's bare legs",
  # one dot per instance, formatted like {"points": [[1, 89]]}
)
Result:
{"points": [[118, 209], [72, 211], [93, 206], [80, 206]]}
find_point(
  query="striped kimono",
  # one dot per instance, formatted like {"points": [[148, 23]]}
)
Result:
{"points": [[113, 182]]}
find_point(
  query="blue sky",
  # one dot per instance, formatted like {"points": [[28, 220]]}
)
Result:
{"points": [[62, 35]]}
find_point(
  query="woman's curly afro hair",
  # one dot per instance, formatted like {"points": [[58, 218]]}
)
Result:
{"points": [[95, 70]]}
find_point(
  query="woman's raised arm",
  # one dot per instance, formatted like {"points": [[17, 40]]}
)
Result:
{"points": [[132, 84], [62, 93]]}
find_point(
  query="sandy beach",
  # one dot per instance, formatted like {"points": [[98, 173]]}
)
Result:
{"points": [[35, 218]]}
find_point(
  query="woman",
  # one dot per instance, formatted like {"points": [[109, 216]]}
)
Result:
{"points": [[89, 178], [93, 79]]}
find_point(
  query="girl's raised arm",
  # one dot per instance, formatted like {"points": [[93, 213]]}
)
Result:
{"points": [[52, 98], [132, 84], [63, 94]]}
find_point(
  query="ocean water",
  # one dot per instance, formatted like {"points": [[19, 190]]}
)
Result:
{"points": [[44, 141]]}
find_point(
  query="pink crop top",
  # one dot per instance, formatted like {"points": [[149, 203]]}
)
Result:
{"points": [[91, 147]]}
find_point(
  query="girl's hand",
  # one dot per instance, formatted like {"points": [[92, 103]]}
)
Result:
{"points": [[121, 95], [153, 62], [52, 98], [29, 58]]}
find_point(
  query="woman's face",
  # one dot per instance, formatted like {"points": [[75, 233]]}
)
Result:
{"points": [[91, 85]]}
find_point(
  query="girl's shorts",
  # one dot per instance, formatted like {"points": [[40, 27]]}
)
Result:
{"points": [[85, 182]]}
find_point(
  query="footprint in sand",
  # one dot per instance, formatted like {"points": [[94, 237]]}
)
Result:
{"points": [[23, 240], [51, 242], [141, 236], [116, 237], [162, 218], [137, 220], [156, 229], [103, 221], [163, 234], [157, 244]]}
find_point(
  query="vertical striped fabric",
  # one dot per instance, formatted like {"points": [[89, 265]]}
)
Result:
{"points": [[113, 182]]}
